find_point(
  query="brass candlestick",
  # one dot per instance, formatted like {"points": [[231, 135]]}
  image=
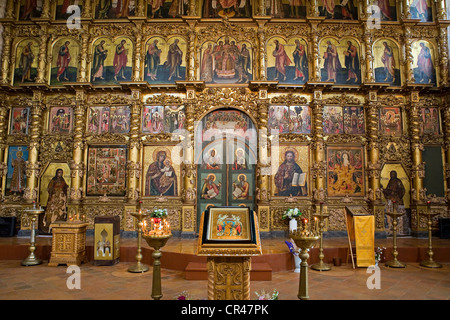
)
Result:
{"points": [[33, 213], [157, 242], [430, 263], [395, 215], [139, 267], [321, 266], [304, 239]]}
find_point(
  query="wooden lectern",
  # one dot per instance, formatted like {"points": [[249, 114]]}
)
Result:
{"points": [[361, 229], [229, 237], [68, 243]]}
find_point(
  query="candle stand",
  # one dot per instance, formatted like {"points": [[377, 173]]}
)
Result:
{"points": [[395, 215], [139, 267], [430, 263], [33, 214], [321, 266]]}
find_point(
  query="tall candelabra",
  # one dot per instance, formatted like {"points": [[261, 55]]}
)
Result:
{"points": [[394, 214], [139, 267], [305, 240], [321, 266], [430, 263], [33, 213]]}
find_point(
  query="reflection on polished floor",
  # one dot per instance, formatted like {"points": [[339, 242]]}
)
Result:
{"points": [[114, 282]]}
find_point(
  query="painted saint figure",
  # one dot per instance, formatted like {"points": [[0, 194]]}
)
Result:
{"points": [[63, 61], [100, 54], [352, 62], [210, 189], [281, 61], [421, 6], [120, 60], [18, 176], [287, 173], [300, 61], [385, 9], [425, 64], [332, 63], [26, 60], [329, 6], [174, 60], [57, 200], [207, 68], [152, 60], [241, 188], [389, 63], [243, 64], [155, 184]]}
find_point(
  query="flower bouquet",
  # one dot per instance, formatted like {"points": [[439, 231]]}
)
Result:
{"points": [[159, 214], [267, 296], [292, 213]]}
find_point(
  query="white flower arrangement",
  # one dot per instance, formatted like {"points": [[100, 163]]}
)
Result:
{"points": [[292, 213], [159, 213], [267, 296]]}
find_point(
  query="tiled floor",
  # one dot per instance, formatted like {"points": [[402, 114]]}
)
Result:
{"points": [[115, 282]]}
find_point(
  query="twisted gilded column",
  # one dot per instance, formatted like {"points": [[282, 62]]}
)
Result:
{"points": [[443, 55], [45, 9], [133, 163], [314, 41], [137, 54], [408, 58], [319, 163], [446, 129], [76, 165], [87, 9], [6, 54], [404, 10], [42, 59], [84, 55], [373, 151], [3, 144], [261, 33], [418, 167], [33, 166], [368, 42], [10, 14]]}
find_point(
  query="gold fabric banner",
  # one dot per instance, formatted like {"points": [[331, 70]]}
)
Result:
{"points": [[364, 227]]}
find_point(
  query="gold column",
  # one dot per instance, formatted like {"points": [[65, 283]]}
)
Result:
{"points": [[141, 8], [42, 59], [443, 57], [314, 41], [319, 163], [3, 144], [133, 164], [45, 9], [77, 167], [261, 33], [418, 167], [6, 55], [313, 8], [83, 64], [368, 42], [137, 53], [408, 58], [33, 165], [10, 14], [405, 13], [373, 152], [191, 69], [441, 13], [87, 9]]}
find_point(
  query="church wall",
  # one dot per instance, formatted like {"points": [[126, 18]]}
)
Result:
{"points": [[386, 108]]}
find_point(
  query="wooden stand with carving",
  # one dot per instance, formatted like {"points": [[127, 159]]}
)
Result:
{"points": [[229, 265], [68, 243]]}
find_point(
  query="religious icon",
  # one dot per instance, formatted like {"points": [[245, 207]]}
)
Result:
{"points": [[241, 188], [386, 62], [65, 63], [430, 121], [106, 171], [211, 187], [227, 9], [62, 6], [333, 120], [423, 56], [109, 119], [226, 61], [421, 9], [26, 61], [341, 63], [278, 121], [345, 171], [57, 200], [161, 177], [288, 61], [174, 118], [390, 121], [166, 9], [240, 163], [30, 9], [61, 119], [111, 61], [16, 176], [212, 159], [354, 120], [20, 120], [290, 179], [153, 119], [165, 60], [338, 9], [387, 9], [300, 119], [108, 9], [286, 9]]}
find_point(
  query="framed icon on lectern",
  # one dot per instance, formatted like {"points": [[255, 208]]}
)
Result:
{"points": [[229, 231]]}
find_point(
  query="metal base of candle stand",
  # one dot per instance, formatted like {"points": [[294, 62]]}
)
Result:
{"points": [[395, 264], [138, 268], [321, 266], [430, 264], [157, 242], [31, 260]]}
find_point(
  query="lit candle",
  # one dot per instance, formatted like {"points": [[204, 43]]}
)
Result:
{"points": [[315, 224]]}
